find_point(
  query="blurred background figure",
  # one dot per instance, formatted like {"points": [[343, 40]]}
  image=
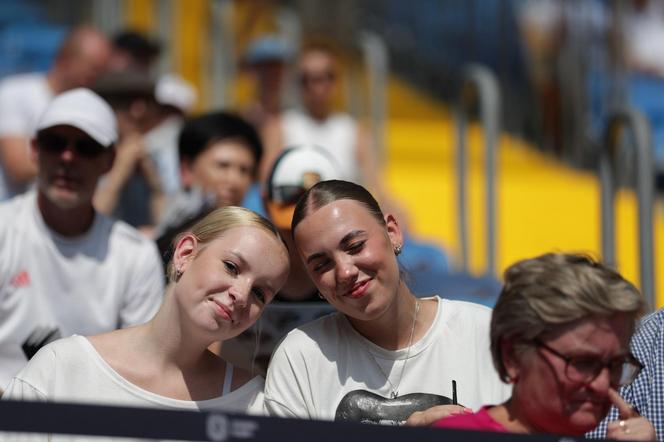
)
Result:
{"points": [[133, 50], [318, 122], [266, 61], [82, 57], [146, 175], [219, 153]]}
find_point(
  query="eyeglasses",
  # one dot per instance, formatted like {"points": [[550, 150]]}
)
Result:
{"points": [[56, 143], [309, 78], [584, 369]]}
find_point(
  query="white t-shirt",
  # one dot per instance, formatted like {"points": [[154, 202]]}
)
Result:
{"points": [[22, 100], [327, 370], [337, 135], [71, 370], [107, 278]]}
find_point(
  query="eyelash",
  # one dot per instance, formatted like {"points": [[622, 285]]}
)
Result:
{"points": [[231, 268], [356, 247]]}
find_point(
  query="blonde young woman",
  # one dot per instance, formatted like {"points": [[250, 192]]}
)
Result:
{"points": [[386, 353], [224, 271]]}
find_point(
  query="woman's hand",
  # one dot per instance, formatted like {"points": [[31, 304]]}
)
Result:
{"points": [[431, 415], [630, 425]]}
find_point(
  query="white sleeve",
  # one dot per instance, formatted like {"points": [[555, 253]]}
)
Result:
{"points": [[33, 381], [146, 288], [286, 380]]}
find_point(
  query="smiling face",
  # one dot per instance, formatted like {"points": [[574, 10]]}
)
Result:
{"points": [[225, 169], [554, 403], [70, 164], [226, 284], [350, 257]]}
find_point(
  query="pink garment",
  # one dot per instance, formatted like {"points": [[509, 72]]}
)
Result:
{"points": [[471, 421]]}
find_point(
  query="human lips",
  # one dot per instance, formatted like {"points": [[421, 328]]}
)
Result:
{"points": [[222, 311], [358, 289]]}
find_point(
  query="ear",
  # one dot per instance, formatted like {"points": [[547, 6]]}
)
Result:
{"points": [[185, 251], [393, 230], [510, 360]]}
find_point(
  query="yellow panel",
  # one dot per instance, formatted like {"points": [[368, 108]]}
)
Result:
{"points": [[190, 48], [139, 14], [542, 204]]}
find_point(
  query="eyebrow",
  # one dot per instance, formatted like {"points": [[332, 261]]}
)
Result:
{"points": [[343, 242], [240, 258]]}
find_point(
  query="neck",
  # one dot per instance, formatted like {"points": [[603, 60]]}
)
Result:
{"points": [[513, 417], [172, 343], [394, 328], [66, 222]]}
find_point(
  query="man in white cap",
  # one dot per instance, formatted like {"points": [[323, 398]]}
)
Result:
{"points": [[81, 58], [64, 267]]}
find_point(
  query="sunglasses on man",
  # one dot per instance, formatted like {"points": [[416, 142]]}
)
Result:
{"points": [[56, 143]]}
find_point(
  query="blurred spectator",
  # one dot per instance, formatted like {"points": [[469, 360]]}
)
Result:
{"points": [[145, 176], [219, 153], [82, 57], [133, 50], [65, 268], [266, 61], [318, 123], [131, 191]]}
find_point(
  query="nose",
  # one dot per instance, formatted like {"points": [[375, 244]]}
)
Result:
{"points": [[602, 381], [239, 293], [345, 270], [68, 153]]}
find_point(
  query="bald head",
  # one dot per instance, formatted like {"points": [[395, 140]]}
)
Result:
{"points": [[82, 57]]}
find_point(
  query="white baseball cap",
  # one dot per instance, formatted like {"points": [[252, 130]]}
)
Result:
{"points": [[175, 91], [84, 110], [294, 171]]}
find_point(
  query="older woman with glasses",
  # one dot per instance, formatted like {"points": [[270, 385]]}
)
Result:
{"points": [[560, 335]]}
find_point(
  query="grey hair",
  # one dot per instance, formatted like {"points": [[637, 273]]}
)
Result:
{"points": [[542, 294]]}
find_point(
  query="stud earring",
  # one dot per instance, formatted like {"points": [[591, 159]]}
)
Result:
{"points": [[397, 249], [178, 274]]}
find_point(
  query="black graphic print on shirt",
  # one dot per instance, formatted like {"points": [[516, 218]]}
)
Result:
{"points": [[366, 407]]}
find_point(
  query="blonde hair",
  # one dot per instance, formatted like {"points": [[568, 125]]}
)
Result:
{"points": [[544, 293], [217, 222]]}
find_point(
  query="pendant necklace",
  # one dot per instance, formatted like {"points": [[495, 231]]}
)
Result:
{"points": [[395, 388]]}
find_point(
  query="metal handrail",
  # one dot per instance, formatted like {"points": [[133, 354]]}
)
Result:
{"points": [[479, 87], [376, 61], [630, 118]]}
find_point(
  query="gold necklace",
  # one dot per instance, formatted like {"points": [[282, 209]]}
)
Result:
{"points": [[395, 389]]}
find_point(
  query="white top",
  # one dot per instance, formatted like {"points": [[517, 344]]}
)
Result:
{"points": [[71, 370], [337, 135], [327, 370], [107, 278], [22, 100]]}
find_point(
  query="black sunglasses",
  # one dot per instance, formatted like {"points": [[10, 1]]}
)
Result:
{"points": [[56, 143]]}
